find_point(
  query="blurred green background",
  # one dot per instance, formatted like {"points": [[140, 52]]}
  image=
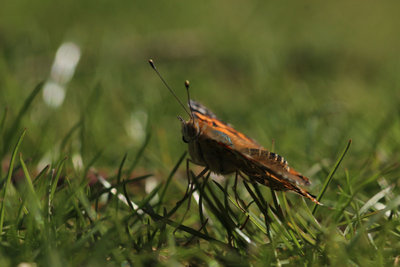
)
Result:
{"points": [[309, 75]]}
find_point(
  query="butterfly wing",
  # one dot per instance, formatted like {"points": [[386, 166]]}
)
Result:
{"points": [[218, 130], [226, 150], [276, 164], [196, 107], [273, 173]]}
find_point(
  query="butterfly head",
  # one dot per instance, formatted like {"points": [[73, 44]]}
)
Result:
{"points": [[190, 129]]}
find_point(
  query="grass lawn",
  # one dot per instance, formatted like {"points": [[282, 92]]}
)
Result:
{"points": [[93, 167]]}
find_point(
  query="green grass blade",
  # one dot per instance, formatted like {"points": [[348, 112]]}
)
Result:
{"points": [[254, 219], [33, 199], [181, 227], [21, 114], [27, 176], [330, 176], [41, 174], [292, 222], [170, 176], [9, 175], [56, 178], [395, 203], [128, 200], [121, 167]]}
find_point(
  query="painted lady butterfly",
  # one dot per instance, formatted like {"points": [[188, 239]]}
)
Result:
{"points": [[221, 149]]}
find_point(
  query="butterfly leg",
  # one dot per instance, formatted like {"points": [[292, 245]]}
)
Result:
{"points": [[204, 171], [190, 191], [189, 174], [190, 187], [198, 196], [204, 217]]}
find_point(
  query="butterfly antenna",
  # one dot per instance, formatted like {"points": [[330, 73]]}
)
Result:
{"points": [[151, 62], [188, 98]]}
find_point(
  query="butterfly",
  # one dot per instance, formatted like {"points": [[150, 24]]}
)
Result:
{"points": [[220, 148]]}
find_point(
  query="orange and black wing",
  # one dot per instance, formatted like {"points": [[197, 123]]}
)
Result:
{"points": [[274, 174], [220, 131], [271, 172]]}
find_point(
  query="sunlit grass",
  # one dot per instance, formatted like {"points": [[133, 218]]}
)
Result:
{"points": [[58, 217], [101, 179]]}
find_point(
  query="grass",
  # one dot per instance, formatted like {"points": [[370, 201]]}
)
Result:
{"points": [[102, 179]]}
